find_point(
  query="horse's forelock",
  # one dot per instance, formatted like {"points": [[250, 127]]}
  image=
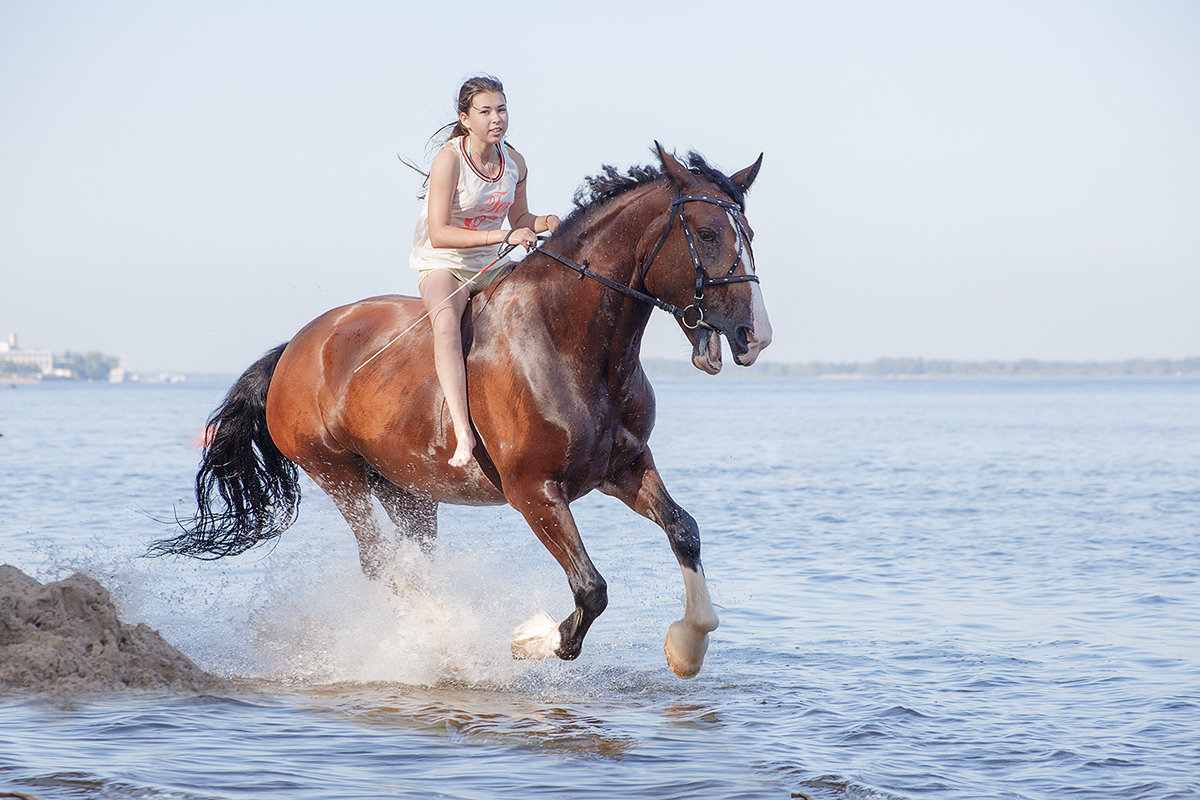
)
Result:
{"points": [[698, 165]]}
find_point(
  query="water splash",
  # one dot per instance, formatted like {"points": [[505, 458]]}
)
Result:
{"points": [[431, 619]]}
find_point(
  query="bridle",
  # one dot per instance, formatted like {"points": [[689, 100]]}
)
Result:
{"points": [[732, 210]]}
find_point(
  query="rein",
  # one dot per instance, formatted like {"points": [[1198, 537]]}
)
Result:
{"points": [[586, 272], [732, 209], [702, 279]]}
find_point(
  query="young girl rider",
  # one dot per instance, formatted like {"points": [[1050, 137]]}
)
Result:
{"points": [[476, 180]]}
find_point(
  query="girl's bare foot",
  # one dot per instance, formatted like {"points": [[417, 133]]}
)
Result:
{"points": [[462, 452]]}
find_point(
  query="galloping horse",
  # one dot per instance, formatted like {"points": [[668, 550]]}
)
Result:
{"points": [[557, 395]]}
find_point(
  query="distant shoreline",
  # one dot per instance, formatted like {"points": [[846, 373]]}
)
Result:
{"points": [[947, 368], [879, 368]]}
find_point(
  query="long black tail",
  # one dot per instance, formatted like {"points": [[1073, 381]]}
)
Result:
{"points": [[247, 492]]}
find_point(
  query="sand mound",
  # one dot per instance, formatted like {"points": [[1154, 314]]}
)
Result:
{"points": [[66, 636]]}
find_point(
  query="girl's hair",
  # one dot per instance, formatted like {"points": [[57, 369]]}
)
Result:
{"points": [[466, 95]]}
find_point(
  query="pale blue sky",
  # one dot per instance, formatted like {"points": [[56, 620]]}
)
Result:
{"points": [[187, 184]]}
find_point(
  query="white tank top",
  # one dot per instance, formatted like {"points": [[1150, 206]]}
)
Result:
{"points": [[477, 204]]}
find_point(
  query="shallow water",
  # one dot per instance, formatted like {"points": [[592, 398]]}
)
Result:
{"points": [[946, 588]]}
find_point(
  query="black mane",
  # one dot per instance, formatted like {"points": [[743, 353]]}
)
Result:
{"points": [[610, 183]]}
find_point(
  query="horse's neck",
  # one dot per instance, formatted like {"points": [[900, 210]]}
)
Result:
{"points": [[606, 325]]}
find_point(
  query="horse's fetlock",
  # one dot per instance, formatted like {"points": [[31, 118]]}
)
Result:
{"points": [[593, 597], [704, 622]]}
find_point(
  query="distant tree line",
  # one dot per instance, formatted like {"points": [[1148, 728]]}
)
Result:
{"points": [[921, 367], [87, 366]]}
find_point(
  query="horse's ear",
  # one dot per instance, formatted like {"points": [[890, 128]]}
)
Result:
{"points": [[746, 177], [676, 171]]}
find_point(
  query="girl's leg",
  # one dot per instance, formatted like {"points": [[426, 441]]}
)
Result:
{"points": [[445, 314]]}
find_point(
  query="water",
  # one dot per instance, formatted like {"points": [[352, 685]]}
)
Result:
{"points": [[928, 589]]}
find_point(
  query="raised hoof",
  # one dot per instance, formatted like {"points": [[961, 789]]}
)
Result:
{"points": [[537, 637], [685, 648]]}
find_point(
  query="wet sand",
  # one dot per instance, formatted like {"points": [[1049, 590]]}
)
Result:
{"points": [[67, 637]]}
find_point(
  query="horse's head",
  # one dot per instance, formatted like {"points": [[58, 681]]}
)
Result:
{"points": [[700, 259]]}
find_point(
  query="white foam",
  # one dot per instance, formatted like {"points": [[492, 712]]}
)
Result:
{"points": [[305, 613], [416, 626]]}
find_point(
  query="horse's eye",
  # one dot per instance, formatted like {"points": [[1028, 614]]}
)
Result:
{"points": [[707, 235]]}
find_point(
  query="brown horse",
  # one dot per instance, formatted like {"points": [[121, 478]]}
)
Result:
{"points": [[557, 395]]}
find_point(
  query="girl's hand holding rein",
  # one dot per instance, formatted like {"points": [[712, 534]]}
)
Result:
{"points": [[522, 236], [526, 235]]}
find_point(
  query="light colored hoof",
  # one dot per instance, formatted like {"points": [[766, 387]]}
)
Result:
{"points": [[537, 637], [685, 648]]}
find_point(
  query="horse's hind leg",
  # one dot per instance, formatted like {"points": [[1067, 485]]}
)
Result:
{"points": [[546, 510], [413, 515], [343, 476], [642, 489]]}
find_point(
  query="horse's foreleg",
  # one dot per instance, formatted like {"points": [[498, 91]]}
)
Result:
{"points": [[642, 489], [546, 510], [414, 516]]}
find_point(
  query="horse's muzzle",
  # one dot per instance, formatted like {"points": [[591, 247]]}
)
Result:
{"points": [[750, 340], [746, 344]]}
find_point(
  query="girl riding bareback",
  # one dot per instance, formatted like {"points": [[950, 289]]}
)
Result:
{"points": [[475, 182]]}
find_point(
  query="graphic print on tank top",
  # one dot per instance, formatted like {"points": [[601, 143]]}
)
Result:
{"points": [[497, 202]]}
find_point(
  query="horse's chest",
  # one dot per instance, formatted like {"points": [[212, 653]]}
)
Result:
{"points": [[616, 433]]}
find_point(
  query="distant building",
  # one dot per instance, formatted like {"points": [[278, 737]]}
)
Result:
{"points": [[43, 360]]}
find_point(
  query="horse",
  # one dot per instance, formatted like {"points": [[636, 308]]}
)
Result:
{"points": [[558, 398]]}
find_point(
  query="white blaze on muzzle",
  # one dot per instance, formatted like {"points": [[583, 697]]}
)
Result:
{"points": [[760, 330]]}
